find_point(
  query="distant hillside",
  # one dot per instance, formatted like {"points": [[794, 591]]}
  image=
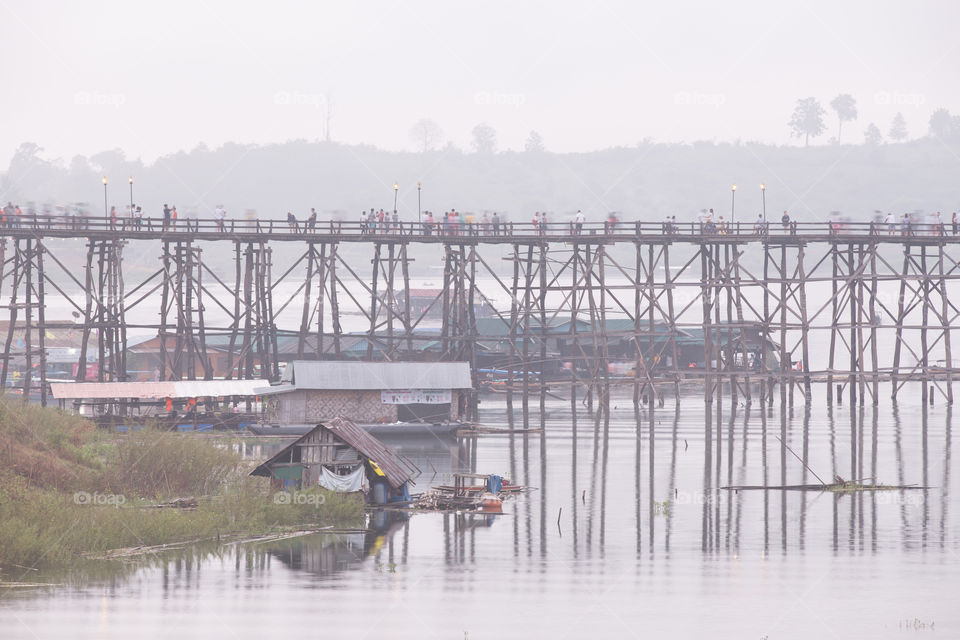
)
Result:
{"points": [[648, 181]]}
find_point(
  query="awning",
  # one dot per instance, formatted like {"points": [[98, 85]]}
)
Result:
{"points": [[155, 390]]}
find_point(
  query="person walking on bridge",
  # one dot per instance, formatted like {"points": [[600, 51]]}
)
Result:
{"points": [[785, 221], [891, 223], [292, 222], [578, 223]]}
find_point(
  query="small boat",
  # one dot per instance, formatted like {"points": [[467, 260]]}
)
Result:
{"points": [[491, 502]]}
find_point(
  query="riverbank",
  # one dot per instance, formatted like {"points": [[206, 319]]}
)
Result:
{"points": [[69, 492]]}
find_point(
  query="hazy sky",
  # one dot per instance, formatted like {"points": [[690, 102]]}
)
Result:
{"points": [[153, 78]]}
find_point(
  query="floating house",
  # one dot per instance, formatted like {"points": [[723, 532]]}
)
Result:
{"points": [[312, 391], [428, 304], [340, 456]]}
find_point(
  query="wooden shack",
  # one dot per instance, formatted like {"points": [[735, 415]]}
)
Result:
{"points": [[340, 456], [368, 392]]}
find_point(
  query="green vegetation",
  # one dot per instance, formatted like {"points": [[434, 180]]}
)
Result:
{"points": [[69, 492]]}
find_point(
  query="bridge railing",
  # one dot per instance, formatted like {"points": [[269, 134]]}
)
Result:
{"points": [[421, 229]]}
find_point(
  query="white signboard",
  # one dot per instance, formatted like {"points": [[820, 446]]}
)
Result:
{"points": [[416, 396]]}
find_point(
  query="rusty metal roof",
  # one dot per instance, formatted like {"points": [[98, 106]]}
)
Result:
{"points": [[396, 468]]}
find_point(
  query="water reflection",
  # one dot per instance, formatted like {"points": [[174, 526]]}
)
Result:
{"points": [[624, 478], [326, 555]]}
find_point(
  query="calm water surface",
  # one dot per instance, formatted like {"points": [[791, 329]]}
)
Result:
{"points": [[627, 535]]}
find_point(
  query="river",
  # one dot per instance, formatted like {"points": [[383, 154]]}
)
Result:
{"points": [[626, 533]]}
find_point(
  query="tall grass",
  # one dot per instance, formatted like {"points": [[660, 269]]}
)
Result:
{"points": [[159, 464], [47, 446], [47, 457]]}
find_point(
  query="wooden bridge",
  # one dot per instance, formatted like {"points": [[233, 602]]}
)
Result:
{"points": [[771, 309]]}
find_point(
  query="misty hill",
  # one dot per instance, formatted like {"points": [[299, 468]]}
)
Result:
{"points": [[648, 181]]}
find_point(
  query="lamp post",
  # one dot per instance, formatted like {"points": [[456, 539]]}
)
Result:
{"points": [[106, 213], [733, 202], [131, 196], [418, 200], [396, 190], [763, 198]]}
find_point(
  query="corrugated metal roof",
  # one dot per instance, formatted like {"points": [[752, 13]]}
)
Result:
{"points": [[395, 467], [155, 390], [274, 389], [381, 375]]}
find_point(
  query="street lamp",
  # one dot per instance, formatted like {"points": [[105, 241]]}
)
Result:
{"points": [[418, 200], [105, 212], [733, 201], [396, 190], [763, 197], [131, 196]]}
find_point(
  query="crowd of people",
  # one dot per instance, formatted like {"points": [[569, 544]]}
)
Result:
{"points": [[456, 223], [908, 225], [450, 223]]}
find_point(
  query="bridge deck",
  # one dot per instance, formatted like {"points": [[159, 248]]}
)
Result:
{"points": [[190, 229]]}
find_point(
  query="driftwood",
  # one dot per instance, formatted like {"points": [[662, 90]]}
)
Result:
{"points": [[130, 552], [839, 486]]}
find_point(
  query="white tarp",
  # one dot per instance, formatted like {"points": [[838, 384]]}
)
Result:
{"points": [[156, 390], [344, 484], [416, 396]]}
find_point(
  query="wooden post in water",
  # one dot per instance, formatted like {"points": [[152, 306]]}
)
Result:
{"points": [[945, 322]]}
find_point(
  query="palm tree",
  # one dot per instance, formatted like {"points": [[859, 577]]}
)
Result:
{"points": [[846, 108]]}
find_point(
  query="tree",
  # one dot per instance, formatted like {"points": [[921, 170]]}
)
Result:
{"points": [[534, 143], [807, 119], [427, 134], [109, 160], [872, 135], [942, 124], [484, 138], [898, 128], [846, 108]]}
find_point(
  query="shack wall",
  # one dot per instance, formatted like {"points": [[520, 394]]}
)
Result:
{"points": [[306, 406], [318, 405]]}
